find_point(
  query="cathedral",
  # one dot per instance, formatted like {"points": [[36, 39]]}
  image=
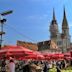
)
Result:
{"points": [[62, 40], [59, 42]]}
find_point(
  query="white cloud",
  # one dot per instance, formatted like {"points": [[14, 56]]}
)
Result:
{"points": [[37, 17]]}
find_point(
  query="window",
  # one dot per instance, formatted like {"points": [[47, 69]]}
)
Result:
{"points": [[59, 43]]}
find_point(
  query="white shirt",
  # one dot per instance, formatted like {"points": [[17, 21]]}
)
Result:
{"points": [[12, 67]]}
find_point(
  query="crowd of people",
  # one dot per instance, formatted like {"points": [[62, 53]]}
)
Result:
{"points": [[30, 65]]}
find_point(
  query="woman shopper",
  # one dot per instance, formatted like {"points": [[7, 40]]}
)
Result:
{"points": [[11, 66]]}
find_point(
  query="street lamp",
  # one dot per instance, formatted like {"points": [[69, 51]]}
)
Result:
{"points": [[6, 12], [2, 21]]}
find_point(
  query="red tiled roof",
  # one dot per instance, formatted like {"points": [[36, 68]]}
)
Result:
{"points": [[29, 45]]}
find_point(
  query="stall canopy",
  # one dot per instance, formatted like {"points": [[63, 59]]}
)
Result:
{"points": [[15, 51]]}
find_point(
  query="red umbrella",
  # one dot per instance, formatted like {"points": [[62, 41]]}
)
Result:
{"points": [[16, 51], [35, 55], [67, 54], [48, 56], [15, 48], [39, 55], [58, 56], [53, 56], [31, 57], [68, 58]]}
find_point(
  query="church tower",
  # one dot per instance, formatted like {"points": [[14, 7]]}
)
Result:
{"points": [[65, 31], [54, 28], [65, 27]]}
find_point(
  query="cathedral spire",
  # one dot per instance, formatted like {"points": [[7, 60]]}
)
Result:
{"points": [[53, 14], [54, 26], [64, 22], [64, 13], [54, 18]]}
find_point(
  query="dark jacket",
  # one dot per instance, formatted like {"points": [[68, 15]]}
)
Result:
{"points": [[45, 68], [3, 69], [26, 68], [58, 69]]}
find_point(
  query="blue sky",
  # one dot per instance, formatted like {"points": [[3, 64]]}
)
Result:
{"points": [[31, 19]]}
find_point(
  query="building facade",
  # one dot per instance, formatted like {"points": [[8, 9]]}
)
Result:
{"points": [[48, 46]]}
